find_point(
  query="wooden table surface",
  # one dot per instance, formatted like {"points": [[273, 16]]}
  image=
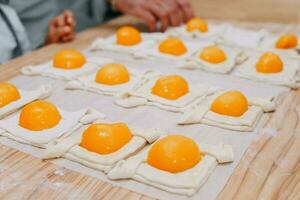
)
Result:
{"points": [[270, 168]]}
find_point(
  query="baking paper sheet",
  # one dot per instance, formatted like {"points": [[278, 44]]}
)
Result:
{"points": [[153, 117]]}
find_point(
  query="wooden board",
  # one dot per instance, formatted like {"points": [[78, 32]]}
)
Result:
{"points": [[270, 169], [282, 11]]}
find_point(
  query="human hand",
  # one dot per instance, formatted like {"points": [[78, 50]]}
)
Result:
{"points": [[61, 28], [167, 12]]}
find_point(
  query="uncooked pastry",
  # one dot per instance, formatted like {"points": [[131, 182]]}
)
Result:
{"points": [[48, 70], [289, 76], [235, 56], [185, 183], [69, 122], [87, 82], [109, 43], [141, 95], [200, 113], [70, 149]]}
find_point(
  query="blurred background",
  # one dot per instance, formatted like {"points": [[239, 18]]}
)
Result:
{"points": [[280, 11]]}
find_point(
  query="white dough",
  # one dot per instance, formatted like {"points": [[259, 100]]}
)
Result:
{"points": [[200, 113], [234, 56], [48, 70], [185, 183], [141, 95], [70, 121], [289, 77], [224, 34], [70, 149], [26, 97], [87, 82], [240, 37]]}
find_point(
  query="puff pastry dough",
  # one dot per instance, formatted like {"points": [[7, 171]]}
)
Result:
{"points": [[141, 95], [153, 52], [48, 70], [26, 97], [289, 77], [200, 113], [184, 183], [70, 149], [87, 82], [70, 122], [239, 37], [235, 56], [109, 43]]}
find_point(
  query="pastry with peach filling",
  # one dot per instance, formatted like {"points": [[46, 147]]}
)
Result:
{"points": [[271, 67], [168, 92], [103, 144], [174, 163], [229, 110]]}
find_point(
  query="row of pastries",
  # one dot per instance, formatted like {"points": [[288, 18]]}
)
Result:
{"points": [[272, 58]]}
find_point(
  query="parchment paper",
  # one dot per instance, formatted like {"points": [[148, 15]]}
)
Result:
{"points": [[154, 117]]}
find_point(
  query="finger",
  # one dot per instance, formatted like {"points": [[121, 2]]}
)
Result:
{"points": [[159, 12], [173, 10], [60, 32], [60, 21], [52, 37], [186, 8], [147, 16], [69, 37], [70, 18]]}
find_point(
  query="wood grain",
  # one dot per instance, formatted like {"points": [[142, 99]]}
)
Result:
{"points": [[270, 168], [280, 11]]}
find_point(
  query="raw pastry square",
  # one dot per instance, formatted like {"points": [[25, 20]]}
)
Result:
{"points": [[109, 43], [235, 56], [48, 70], [70, 149], [141, 95], [87, 82], [214, 31], [289, 77], [268, 44], [153, 52], [26, 97], [184, 183], [200, 113], [70, 122]]}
